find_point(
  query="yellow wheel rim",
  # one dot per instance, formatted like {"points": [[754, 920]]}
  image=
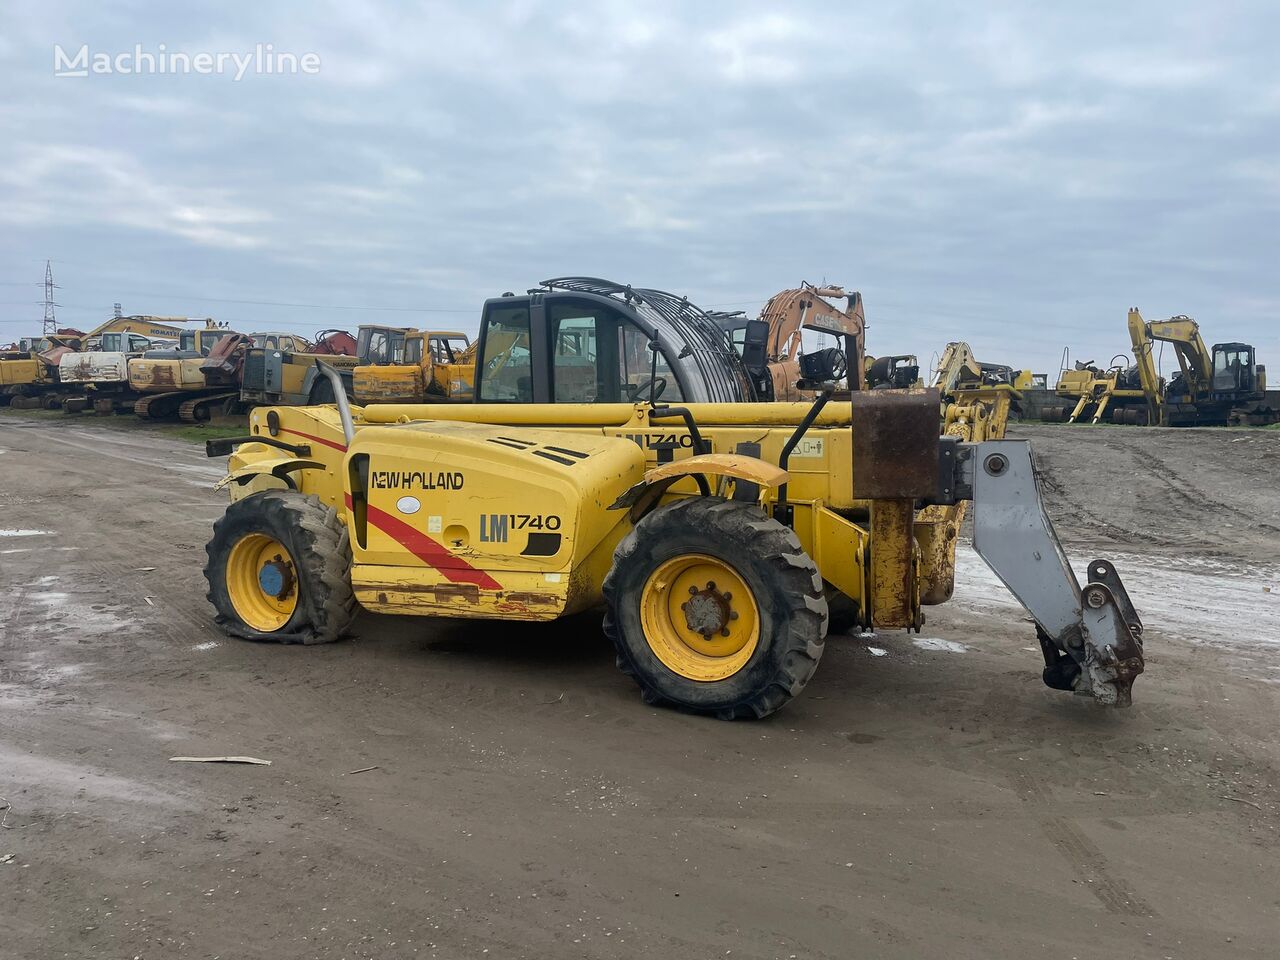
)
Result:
{"points": [[262, 582], [699, 618]]}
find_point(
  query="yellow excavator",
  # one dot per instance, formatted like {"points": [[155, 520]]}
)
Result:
{"points": [[403, 365], [27, 377], [37, 381], [1213, 387], [171, 382], [100, 370]]}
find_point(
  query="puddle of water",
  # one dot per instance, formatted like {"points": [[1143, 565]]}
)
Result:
{"points": [[53, 783], [877, 651], [25, 533], [207, 645], [946, 646], [1201, 600]]}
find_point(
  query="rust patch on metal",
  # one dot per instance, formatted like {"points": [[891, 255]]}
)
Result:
{"points": [[458, 591], [442, 592], [81, 371], [895, 444], [530, 599], [894, 600], [935, 530]]}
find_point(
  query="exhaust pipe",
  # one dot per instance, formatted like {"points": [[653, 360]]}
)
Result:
{"points": [[339, 399]]}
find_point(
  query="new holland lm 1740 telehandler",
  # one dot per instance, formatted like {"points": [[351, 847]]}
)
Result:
{"points": [[711, 533]]}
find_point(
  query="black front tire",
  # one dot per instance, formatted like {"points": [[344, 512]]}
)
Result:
{"points": [[320, 548], [783, 579]]}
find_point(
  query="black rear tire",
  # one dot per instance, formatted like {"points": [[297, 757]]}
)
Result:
{"points": [[785, 587], [320, 547], [321, 392]]}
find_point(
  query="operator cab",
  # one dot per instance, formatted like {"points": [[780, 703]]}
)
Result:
{"points": [[598, 354], [583, 340], [203, 341], [121, 343], [444, 348], [383, 346], [1233, 369]]}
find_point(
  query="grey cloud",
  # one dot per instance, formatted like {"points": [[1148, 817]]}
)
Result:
{"points": [[1015, 176]]}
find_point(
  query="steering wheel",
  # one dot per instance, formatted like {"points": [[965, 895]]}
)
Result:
{"points": [[839, 365], [642, 389]]}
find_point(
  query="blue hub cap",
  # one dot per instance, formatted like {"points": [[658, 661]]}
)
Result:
{"points": [[271, 580]]}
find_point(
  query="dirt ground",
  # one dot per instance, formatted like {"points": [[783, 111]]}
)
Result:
{"points": [[926, 797]]}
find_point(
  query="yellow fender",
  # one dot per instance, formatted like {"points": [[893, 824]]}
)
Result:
{"points": [[278, 467], [645, 495]]}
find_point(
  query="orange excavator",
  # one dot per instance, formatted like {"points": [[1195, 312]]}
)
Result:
{"points": [[789, 313]]}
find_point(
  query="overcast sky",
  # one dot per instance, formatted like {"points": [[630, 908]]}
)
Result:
{"points": [[1010, 176]]}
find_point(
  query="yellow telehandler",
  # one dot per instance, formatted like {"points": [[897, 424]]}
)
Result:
{"points": [[712, 533]]}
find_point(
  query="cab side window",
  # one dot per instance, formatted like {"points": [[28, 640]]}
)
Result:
{"points": [[576, 336], [640, 376], [505, 370]]}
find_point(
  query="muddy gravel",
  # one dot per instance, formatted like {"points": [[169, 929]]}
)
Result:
{"points": [[926, 797]]}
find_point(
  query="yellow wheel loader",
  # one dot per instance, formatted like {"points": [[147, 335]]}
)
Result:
{"points": [[712, 534], [280, 369]]}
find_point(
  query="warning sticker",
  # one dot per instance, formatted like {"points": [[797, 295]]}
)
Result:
{"points": [[808, 447]]}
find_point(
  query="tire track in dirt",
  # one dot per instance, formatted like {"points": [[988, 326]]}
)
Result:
{"points": [[1185, 492], [1089, 863]]}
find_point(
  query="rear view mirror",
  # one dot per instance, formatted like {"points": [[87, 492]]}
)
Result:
{"points": [[755, 345]]}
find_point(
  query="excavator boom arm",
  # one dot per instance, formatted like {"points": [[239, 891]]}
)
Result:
{"points": [[807, 307]]}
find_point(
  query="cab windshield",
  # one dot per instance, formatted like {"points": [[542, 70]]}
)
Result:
{"points": [[380, 346]]}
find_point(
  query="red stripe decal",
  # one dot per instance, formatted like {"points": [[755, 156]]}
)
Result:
{"points": [[428, 551], [307, 436]]}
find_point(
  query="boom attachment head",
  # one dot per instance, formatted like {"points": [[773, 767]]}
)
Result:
{"points": [[1092, 637]]}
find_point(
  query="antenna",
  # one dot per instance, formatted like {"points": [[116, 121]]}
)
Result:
{"points": [[50, 322]]}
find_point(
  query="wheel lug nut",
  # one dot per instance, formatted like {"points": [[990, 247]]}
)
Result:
{"points": [[711, 584], [693, 591], [724, 632], [733, 614]]}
